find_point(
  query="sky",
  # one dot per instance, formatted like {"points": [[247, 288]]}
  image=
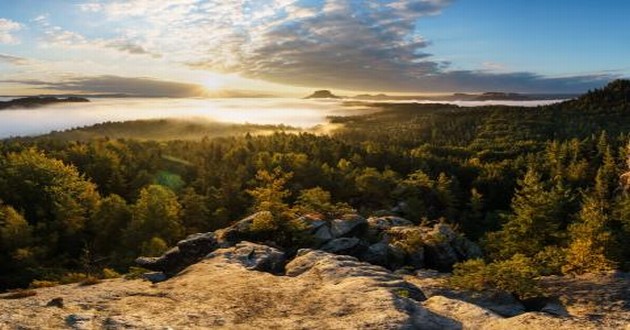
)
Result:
{"points": [[225, 48]]}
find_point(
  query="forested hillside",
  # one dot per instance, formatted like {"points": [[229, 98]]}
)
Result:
{"points": [[534, 186]]}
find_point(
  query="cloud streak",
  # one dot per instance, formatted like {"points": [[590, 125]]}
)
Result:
{"points": [[137, 86], [15, 60]]}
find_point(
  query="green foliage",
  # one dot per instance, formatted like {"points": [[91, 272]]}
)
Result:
{"points": [[515, 275], [509, 175], [156, 214], [318, 200], [535, 222], [109, 273], [590, 241], [154, 247]]}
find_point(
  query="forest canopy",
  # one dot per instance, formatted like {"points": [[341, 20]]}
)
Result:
{"points": [[537, 186]]}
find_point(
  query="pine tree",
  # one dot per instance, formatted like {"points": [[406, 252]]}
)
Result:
{"points": [[535, 222], [590, 240]]}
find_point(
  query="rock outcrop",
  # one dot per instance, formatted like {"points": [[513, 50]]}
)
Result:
{"points": [[388, 241], [233, 289]]}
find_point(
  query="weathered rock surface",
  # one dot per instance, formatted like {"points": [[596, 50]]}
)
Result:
{"points": [[188, 251], [321, 291], [345, 245], [253, 257], [347, 225], [437, 247], [383, 223]]}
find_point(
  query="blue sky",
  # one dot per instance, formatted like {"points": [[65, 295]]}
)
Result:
{"points": [[215, 47]]}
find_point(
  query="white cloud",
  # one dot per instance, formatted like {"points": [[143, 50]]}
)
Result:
{"points": [[349, 44], [93, 7], [7, 30]]}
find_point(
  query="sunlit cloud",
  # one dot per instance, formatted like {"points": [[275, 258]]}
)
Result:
{"points": [[7, 30]]}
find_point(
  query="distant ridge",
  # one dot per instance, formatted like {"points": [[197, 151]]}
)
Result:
{"points": [[322, 94], [34, 102]]}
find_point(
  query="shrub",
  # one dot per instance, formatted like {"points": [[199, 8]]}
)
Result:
{"points": [[110, 273], [42, 284], [516, 275], [90, 280]]}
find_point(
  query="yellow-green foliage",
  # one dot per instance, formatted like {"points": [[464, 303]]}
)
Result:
{"points": [[516, 275], [72, 278], [135, 272], [409, 241], [154, 247], [590, 240], [264, 222], [110, 273], [42, 284]]}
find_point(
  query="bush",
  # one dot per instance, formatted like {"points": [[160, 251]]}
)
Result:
{"points": [[516, 275], [110, 273], [42, 284]]}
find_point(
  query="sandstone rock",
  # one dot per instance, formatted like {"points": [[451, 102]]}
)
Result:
{"points": [[253, 257], [78, 321], [437, 247], [155, 277], [345, 245], [335, 268], [434, 283], [239, 231], [322, 235], [347, 224], [311, 222], [383, 223], [55, 302], [198, 244], [383, 254], [170, 262]]}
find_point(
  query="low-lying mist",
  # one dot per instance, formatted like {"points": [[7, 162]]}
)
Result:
{"points": [[262, 111], [291, 112]]}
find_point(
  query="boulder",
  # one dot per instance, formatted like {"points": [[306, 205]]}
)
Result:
{"points": [[333, 268], [322, 235], [311, 222], [188, 251], [383, 254], [386, 222], [345, 245], [170, 262], [348, 224], [438, 247], [155, 277], [434, 283], [238, 231], [254, 257]]}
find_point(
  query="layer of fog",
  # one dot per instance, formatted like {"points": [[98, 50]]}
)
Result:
{"points": [[292, 112]]}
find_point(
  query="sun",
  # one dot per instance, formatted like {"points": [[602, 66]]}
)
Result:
{"points": [[213, 83]]}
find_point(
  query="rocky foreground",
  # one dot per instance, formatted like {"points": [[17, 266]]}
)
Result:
{"points": [[319, 290], [357, 276]]}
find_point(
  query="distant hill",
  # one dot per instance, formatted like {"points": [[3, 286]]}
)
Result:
{"points": [[488, 96], [34, 102], [322, 94]]}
